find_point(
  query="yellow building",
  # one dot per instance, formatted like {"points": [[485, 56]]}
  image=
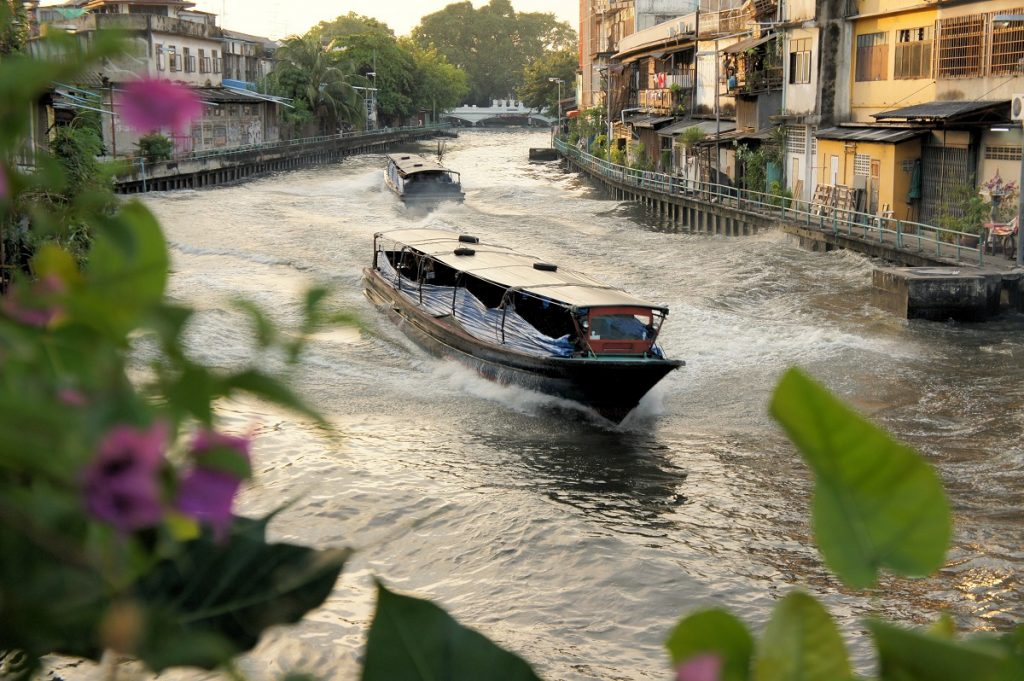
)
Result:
{"points": [[928, 86]]}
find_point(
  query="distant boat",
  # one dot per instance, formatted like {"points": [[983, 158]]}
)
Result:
{"points": [[516, 319], [418, 179]]}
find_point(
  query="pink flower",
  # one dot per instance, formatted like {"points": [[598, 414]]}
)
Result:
{"points": [[208, 491], [152, 104], [72, 397], [122, 483], [706, 667], [37, 306]]}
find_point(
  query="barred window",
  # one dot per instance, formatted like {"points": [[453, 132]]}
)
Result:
{"points": [[190, 60], [914, 52], [1008, 46], [1006, 152], [872, 57], [204, 62], [800, 61], [160, 57], [961, 45], [172, 58]]}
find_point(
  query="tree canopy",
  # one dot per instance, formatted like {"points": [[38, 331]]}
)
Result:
{"points": [[492, 44], [353, 52], [538, 91]]}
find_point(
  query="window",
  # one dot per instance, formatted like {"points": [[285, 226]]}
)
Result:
{"points": [[800, 61], [872, 57], [204, 62], [861, 165], [172, 58], [1007, 47], [796, 142], [217, 66], [160, 65], [914, 53], [190, 60], [960, 46], [1007, 152]]}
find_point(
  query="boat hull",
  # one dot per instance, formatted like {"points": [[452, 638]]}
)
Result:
{"points": [[611, 386]]}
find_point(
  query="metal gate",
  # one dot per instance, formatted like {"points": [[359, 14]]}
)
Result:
{"points": [[942, 170]]}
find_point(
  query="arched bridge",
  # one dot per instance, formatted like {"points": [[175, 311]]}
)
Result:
{"points": [[501, 112]]}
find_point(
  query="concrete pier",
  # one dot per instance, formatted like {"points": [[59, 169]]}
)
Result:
{"points": [[943, 293]]}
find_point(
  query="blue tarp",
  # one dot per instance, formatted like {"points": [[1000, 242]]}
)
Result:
{"points": [[493, 325]]}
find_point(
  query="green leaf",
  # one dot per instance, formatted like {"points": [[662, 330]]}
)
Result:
{"points": [[917, 655], [877, 503], [801, 642], [261, 385], [222, 596], [713, 631], [413, 640], [266, 333], [126, 273]]}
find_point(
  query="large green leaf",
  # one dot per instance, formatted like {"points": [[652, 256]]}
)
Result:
{"points": [[801, 642], [877, 503], [918, 655], [414, 640], [713, 631], [126, 273], [214, 600]]}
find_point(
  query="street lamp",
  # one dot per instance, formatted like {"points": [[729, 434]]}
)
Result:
{"points": [[373, 97], [559, 81]]}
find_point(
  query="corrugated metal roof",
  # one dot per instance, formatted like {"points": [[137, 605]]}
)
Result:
{"points": [[505, 267], [744, 45], [884, 135], [940, 110], [709, 127]]}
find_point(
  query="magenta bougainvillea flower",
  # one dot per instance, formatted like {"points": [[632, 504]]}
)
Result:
{"points": [[122, 484], [152, 104], [207, 492], [36, 306], [707, 667], [72, 397]]}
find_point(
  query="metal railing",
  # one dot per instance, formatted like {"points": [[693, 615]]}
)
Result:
{"points": [[906, 235]]}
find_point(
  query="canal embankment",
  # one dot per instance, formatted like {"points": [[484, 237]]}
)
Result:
{"points": [[217, 167], [928, 272]]}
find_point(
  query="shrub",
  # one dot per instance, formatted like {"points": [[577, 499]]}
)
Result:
{"points": [[155, 147]]}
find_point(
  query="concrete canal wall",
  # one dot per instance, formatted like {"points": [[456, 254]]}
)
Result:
{"points": [[927, 274], [198, 171]]}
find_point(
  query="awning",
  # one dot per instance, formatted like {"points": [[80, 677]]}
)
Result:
{"points": [[942, 111], [866, 134], [572, 114], [708, 127], [650, 122], [744, 45]]}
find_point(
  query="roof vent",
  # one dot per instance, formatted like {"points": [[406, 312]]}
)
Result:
{"points": [[545, 267], [464, 251], [467, 239]]}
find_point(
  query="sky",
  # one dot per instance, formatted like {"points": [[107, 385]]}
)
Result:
{"points": [[280, 18]]}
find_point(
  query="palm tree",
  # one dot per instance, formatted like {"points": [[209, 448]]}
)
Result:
{"points": [[312, 73]]}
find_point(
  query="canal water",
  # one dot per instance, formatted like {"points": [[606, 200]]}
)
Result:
{"points": [[576, 544]]}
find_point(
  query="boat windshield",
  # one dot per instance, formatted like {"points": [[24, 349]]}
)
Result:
{"points": [[622, 330]]}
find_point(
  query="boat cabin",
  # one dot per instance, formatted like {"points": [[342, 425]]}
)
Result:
{"points": [[516, 300], [413, 176]]}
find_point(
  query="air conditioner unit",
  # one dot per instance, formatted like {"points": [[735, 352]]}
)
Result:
{"points": [[1017, 108]]}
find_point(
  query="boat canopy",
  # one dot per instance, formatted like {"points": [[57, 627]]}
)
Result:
{"points": [[412, 164], [504, 267]]}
